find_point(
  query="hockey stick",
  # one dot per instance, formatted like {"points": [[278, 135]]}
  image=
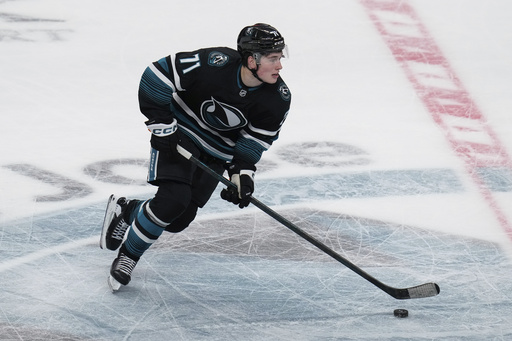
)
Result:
{"points": [[420, 291]]}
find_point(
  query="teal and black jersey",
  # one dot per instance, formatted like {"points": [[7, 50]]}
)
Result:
{"points": [[204, 92]]}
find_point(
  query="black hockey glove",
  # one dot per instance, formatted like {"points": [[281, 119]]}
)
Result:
{"points": [[242, 175], [164, 135]]}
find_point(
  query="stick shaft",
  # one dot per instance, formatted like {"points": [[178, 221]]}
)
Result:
{"points": [[424, 290]]}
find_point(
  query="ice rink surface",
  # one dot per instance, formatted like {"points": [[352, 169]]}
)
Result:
{"points": [[396, 154]]}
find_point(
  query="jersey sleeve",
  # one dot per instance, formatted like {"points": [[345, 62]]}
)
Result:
{"points": [[264, 124], [165, 77], [156, 89], [258, 136], [190, 68]]}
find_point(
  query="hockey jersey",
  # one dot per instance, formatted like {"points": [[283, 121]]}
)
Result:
{"points": [[203, 90]]}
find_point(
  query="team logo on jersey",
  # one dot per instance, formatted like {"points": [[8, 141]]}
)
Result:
{"points": [[284, 91], [217, 59], [221, 116]]}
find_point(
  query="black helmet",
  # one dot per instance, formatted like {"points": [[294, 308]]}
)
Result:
{"points": [[259, 38]]}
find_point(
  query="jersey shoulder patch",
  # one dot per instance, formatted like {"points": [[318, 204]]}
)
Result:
{"points": [[217, 58], [284, 92]]}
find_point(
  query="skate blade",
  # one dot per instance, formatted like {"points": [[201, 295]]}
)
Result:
{"points": [[109, 213], [113, 284]]}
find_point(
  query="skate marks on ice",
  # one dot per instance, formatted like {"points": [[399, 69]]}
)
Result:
{"points": [[16, 27], [324, 154], [244, 276], [15, 333], [316, 288], [258, 235]]}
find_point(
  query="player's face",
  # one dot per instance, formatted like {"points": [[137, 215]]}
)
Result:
{"points": [[270, 65]]}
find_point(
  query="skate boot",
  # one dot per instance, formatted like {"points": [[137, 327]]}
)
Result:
{"points": [[114, 224], [121, 271]]}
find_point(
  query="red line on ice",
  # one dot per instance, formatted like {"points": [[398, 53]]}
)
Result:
{"points": [[443, 94]]}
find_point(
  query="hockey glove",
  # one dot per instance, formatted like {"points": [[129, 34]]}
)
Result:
{"points": [[164, 135], [242, 175]]}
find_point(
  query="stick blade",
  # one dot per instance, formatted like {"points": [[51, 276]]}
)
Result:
{"points": [[420, 291]]}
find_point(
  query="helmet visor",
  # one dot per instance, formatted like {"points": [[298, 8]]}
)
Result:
{"points": [[271, 57]]}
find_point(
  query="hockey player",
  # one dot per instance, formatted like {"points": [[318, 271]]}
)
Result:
{"points": [[226, 107]]}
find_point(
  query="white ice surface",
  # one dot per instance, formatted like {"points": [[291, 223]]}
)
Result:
{"points": [[406, 210]]}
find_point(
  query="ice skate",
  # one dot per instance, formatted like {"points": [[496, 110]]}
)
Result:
{"points": [[121, 271], [114, 225]]}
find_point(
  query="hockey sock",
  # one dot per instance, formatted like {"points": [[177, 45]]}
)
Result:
{"points": [[153, 216], [132, 210], [144, 231]]}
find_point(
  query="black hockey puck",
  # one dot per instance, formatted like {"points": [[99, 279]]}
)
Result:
{"points": [[401, 313]]}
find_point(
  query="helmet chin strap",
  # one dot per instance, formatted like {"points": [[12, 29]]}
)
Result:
{"points": [[255, 74]]}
